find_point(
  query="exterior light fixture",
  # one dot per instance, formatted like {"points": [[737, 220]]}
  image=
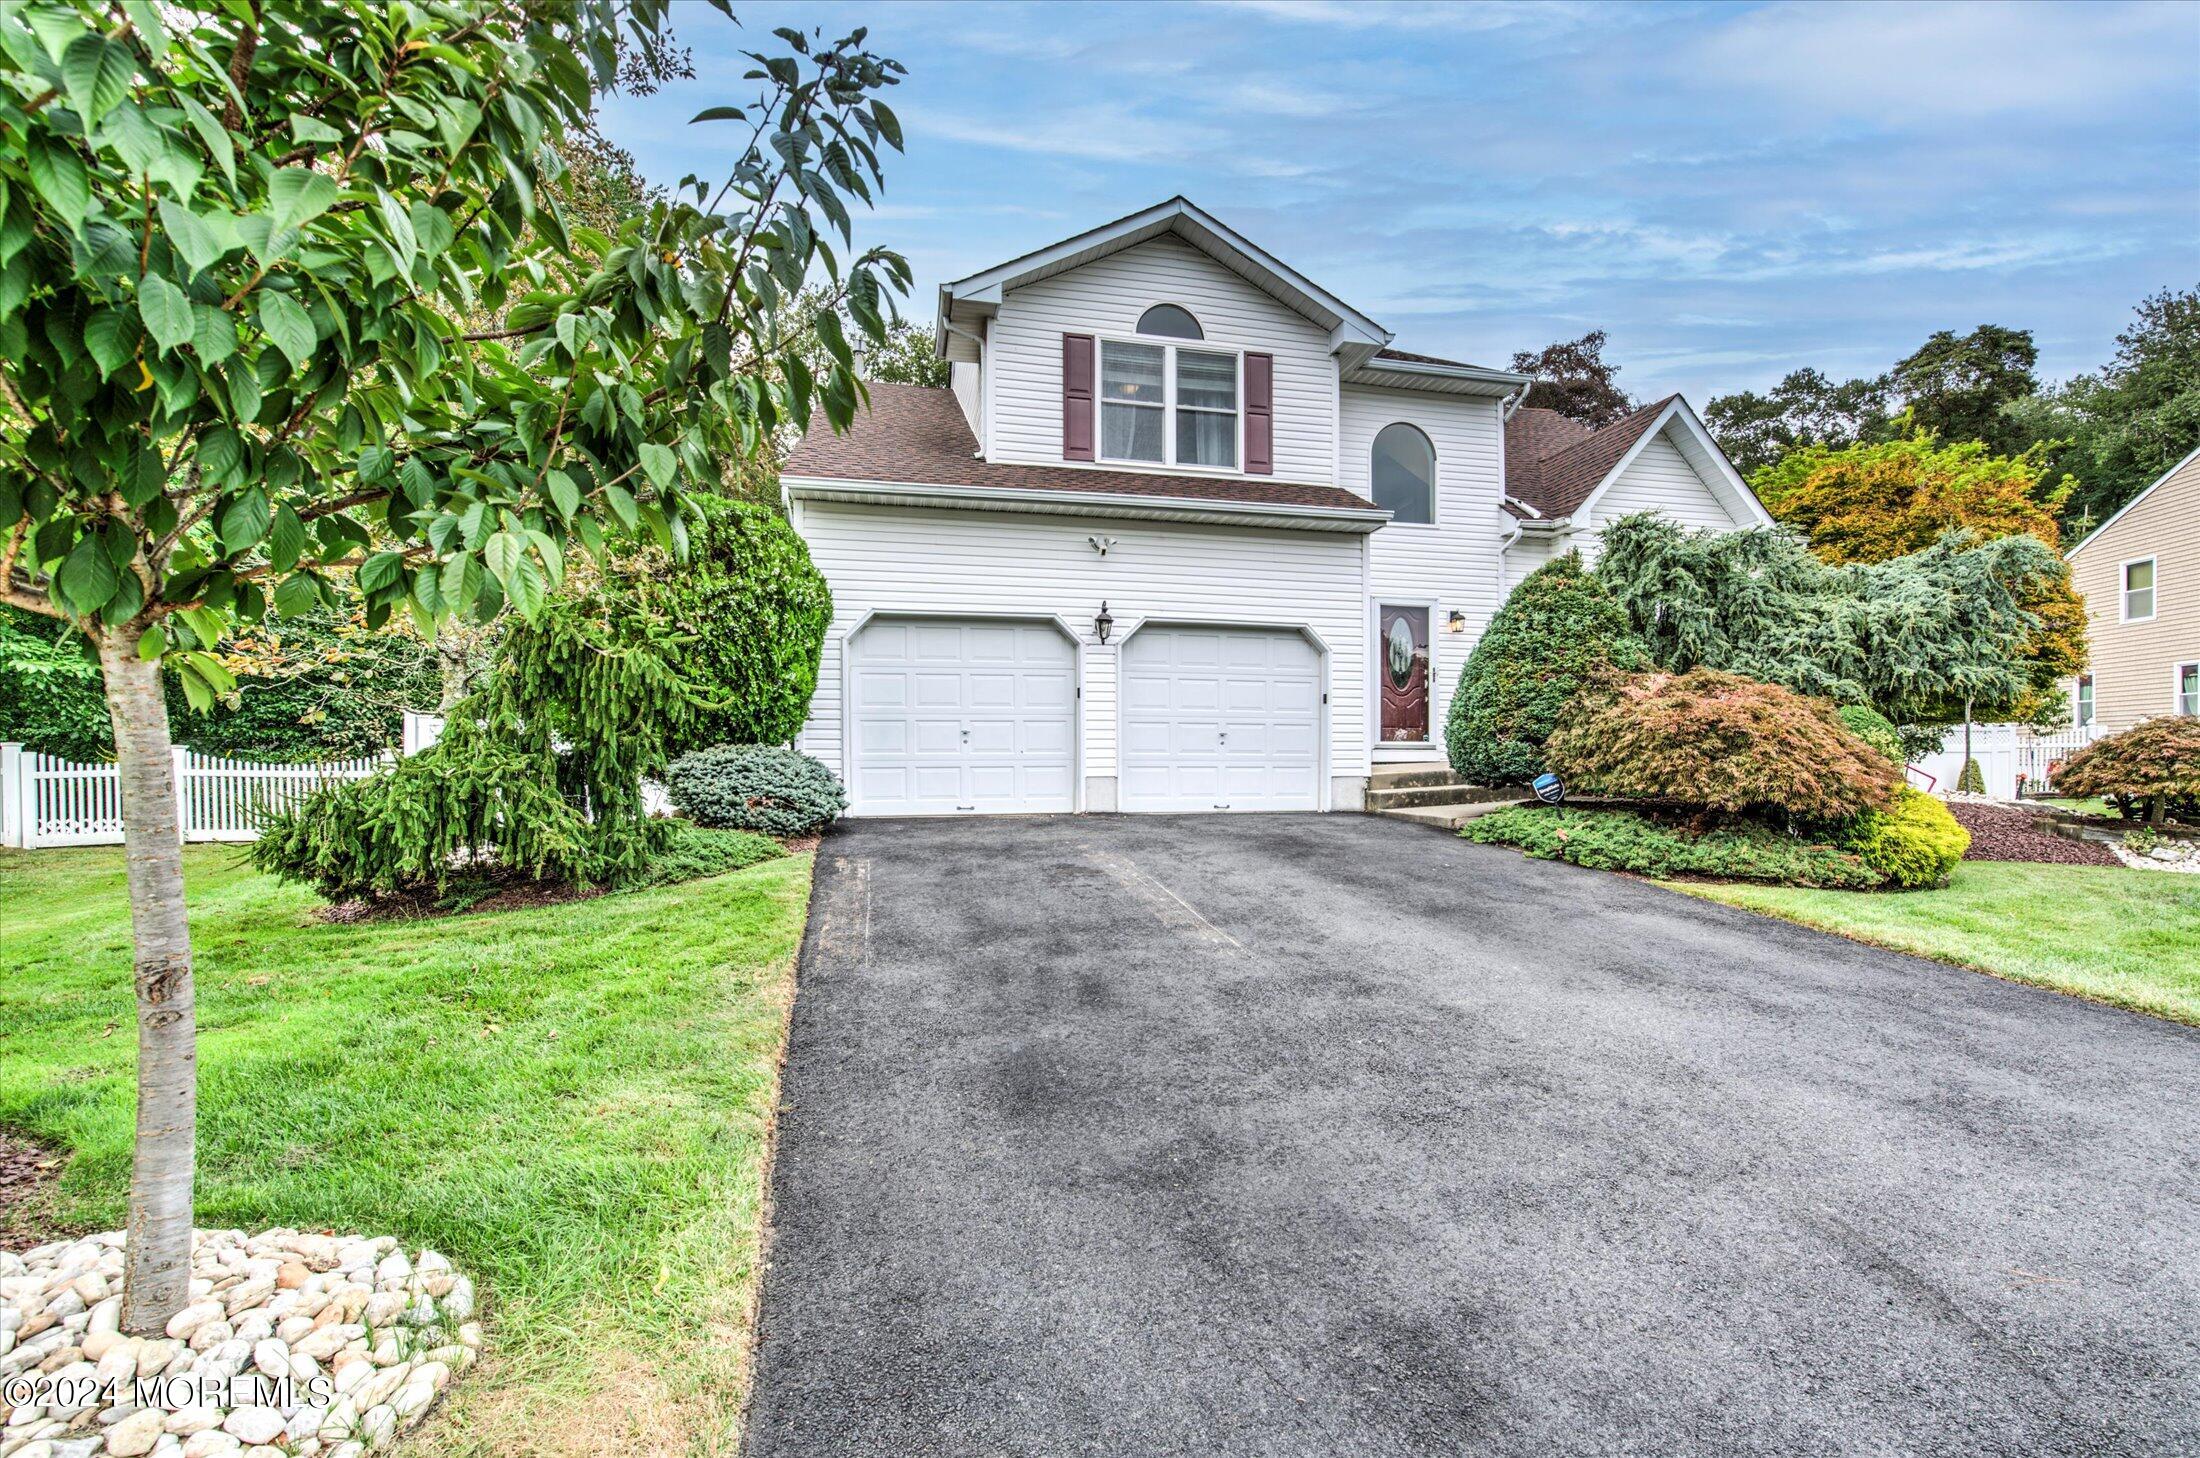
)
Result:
{"points": [[1456, 623], [1102, 624]]}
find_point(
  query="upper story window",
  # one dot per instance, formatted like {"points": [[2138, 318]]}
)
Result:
{"points": [[1404, 474], [1168, 405], [1169, 320], [2139, 590]]}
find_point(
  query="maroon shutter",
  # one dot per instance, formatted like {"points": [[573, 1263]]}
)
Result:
{"points": [[1260, 414], [1077, 397]]}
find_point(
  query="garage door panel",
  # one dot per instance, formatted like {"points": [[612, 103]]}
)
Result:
{"points": [[961, 716], [1220, 719]]}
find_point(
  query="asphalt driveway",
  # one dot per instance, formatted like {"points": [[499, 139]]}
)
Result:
{"points": [[1331, 1135]]}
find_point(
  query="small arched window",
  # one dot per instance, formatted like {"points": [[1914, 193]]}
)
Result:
{"points": [[1170, 322], [1404, 473]]}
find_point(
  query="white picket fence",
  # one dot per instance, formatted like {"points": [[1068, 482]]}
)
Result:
{"points": [[46, 801], [2006, 754]]}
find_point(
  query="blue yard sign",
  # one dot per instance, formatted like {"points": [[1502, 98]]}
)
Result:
{"points": [[1549, 788]]}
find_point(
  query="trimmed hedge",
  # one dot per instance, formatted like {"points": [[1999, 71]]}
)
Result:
{"points": [[1915, 842], [2151, 771], [754, 609], [1627, 840], [1875, 729], [1723, 743], [1559, 630], [755, 787]]}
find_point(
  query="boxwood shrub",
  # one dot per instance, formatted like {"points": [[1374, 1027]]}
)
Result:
{"points": [[755, 787], [1723, 743], [1915, 842], [1628, 840], [1559, 630], [1875, 729]]}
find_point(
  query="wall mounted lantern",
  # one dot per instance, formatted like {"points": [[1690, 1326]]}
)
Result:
{"points": [[1456, 623], [1102, 624]]}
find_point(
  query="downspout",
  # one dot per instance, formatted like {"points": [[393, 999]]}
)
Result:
{"points": [[1511, 405]]}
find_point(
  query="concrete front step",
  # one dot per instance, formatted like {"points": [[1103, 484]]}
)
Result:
{"points": [[1412, 777], [1456, 793], [1445, 817]]}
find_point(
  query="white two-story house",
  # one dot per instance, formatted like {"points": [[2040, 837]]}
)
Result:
{"points": [[1186, 534]]}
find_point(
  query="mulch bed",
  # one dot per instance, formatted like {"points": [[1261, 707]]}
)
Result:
{"points": [[2002, 834], [27, 1175]]}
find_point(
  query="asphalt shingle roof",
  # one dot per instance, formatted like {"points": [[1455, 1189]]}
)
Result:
{"points": [[1553, 462]]}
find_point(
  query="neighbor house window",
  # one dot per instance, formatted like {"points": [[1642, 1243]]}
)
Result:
{"points": [[2085, 701], [1144, 387], [1404, 474], [2139, 590], [2188, 688]]}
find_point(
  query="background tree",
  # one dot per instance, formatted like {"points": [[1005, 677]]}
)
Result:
{"points": [[237, 249], [1573, 378], [906, 358], [1875, 503], [1805, 408], [1959, 387], [2116, 432]]}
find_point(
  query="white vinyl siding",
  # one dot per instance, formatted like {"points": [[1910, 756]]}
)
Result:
{"points": [[1660, 479], [979, 564], [1449, 566], [1107, 297]]}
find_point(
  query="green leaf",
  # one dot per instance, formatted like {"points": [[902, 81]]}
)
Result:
{"points": [[244, 520], [380, 570], [564, 495], [58, 174], [295, 595], [97, 73], [662, 466], [198, 241], [526, 588], [462, 576], [503, 553], [109, 337], [304, 128], [166, 311], [87, 577], [622, 505], [212, 133], [718, 113], [889, 125], [286, 540], [298, 195], [213, 333], [288, 326]]}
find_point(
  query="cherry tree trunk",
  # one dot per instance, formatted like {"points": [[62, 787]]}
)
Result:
{"points": [[157, 1268]]}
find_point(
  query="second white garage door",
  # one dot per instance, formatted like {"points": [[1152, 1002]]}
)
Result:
{"points": [[962, 717], [1221, 719]]}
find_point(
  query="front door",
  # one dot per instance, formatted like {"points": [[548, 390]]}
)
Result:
{"points": [[1403, 668]]}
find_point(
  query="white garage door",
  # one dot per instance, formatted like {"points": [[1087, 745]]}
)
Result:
{"points": [[957, 716], [1221, 719]]}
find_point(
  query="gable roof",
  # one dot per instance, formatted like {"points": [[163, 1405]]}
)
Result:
{"points": [[1557, 466], [980, 293], [914, 435], [2117, 514]]}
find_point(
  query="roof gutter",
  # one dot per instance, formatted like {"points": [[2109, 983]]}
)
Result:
{"points": [[1086, 503]]}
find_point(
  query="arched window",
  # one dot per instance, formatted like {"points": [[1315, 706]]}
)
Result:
{"points": [[1404, 473], [1170, 322]]}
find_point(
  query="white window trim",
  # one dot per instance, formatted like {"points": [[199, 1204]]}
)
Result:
{"points": [[2123, 590], [1435, 475], [1168, 346], [2084, 711], [2177, 686]]}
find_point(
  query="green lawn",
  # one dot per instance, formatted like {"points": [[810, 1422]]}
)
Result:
{"points": [[2126, 937], [570, 1101]]}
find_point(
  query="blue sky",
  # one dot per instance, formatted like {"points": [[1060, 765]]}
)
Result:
{"points": [[1730, 190]]}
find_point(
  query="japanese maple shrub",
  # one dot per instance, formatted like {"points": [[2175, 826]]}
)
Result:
{"points": [[1722, 743], [1557, 631], [2151, 771]]}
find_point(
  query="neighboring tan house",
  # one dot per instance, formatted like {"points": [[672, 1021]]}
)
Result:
{"points": [[2139, 574], [1185, 533]]}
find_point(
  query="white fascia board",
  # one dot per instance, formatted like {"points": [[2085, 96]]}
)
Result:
{"points": [[1471, 379], [1178, 215], [2117, 514], [1086, 503]]}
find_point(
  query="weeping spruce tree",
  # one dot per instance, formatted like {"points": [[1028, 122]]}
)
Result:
{"points": [[239, 244]]}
